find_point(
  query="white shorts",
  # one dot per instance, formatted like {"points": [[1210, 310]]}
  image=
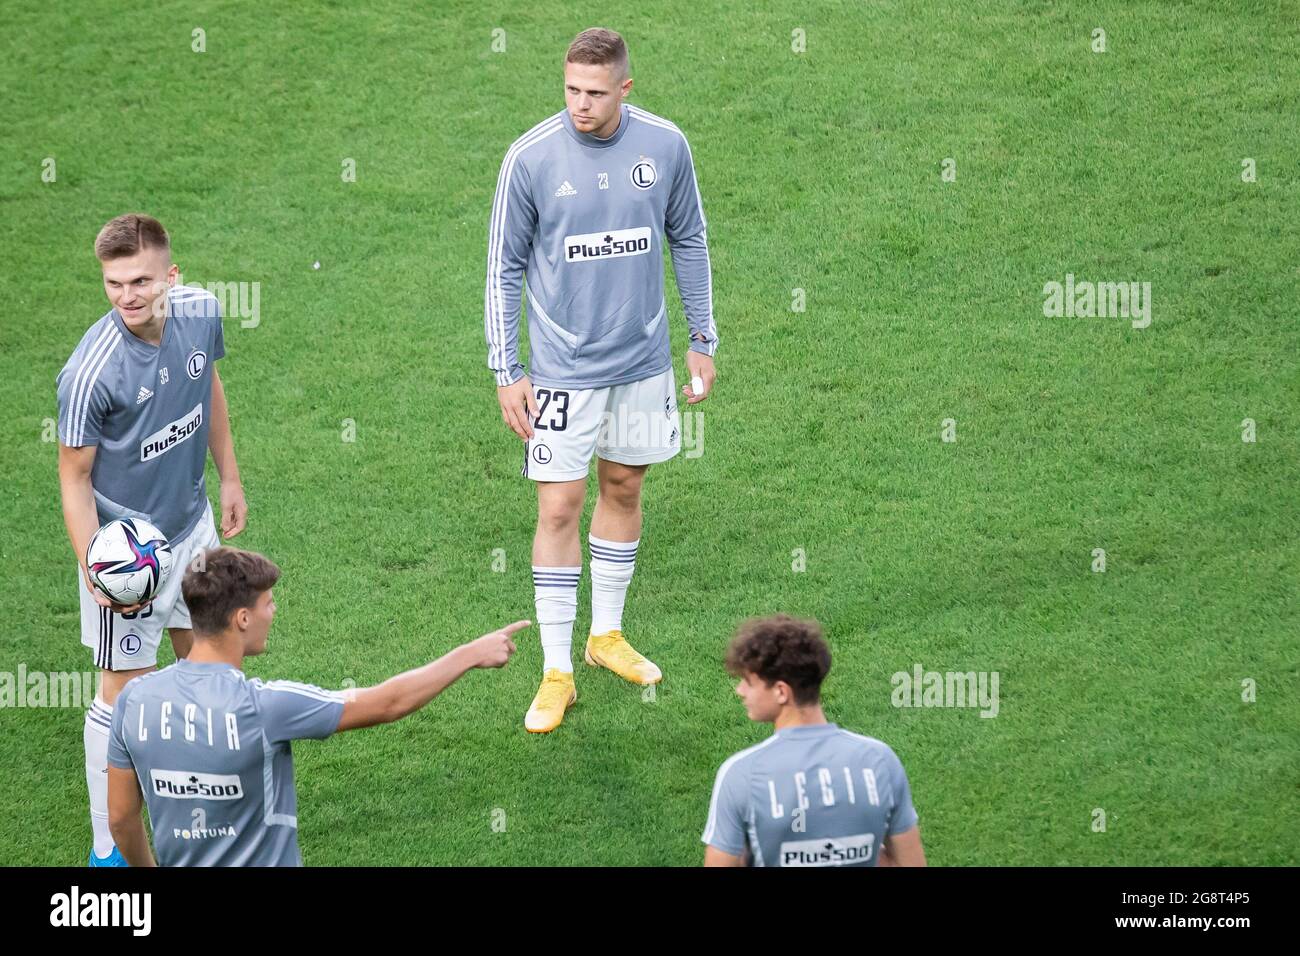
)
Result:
{"points": [[127, 642], [636, 423]]}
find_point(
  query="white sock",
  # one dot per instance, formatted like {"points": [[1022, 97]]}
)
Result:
{"points": [[95, 737], [555, 592], [612, 563]]}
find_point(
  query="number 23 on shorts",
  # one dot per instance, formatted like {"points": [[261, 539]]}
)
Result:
{"points": [[558, 404]]}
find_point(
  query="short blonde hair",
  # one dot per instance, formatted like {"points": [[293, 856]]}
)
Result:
{"points": [[600, 47]]}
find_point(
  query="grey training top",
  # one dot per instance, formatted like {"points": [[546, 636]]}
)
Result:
{"points": [[810, 796], [147, 408], [586, 218], [211, 749]]}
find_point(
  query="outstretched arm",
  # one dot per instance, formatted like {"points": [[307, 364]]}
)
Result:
{"points": [[408, 692]]}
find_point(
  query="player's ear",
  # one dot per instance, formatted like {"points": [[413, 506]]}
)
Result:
{"points": [[173, 273]]}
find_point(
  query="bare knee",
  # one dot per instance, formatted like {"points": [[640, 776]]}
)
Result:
{"points": [[559, 507], [621, 487]]}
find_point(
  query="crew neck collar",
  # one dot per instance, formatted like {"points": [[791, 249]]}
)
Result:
{"points": [[587, 139], [186, 664], [807, 730]]}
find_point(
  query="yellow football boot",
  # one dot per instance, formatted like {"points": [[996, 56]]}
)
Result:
{"points": [[613, 652], [554, 697]]}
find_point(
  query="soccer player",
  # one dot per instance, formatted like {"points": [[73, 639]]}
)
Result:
{"points": [[812, 794], [584, 203], [140, 406], [213, 748]]}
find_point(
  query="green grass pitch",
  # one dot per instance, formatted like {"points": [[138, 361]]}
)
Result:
{"points": [[822, 171]]}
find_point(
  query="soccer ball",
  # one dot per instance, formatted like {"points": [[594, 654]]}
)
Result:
{"points": [[129, 560]]}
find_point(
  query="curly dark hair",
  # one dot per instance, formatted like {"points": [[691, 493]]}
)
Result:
{"points": [[782, 648]]}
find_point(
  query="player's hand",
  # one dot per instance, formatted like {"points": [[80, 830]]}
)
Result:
{"points": [[234, 509], [494, 650], [102, 600], [700, 368], [518, 406]]}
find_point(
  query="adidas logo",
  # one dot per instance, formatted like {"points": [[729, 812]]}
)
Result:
{"points": [[566, 190], [143, 395]]}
